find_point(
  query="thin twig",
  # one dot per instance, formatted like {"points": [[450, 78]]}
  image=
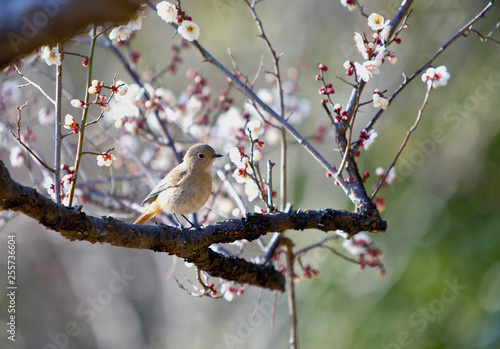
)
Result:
{"points": [[290, 284], [259, 71], [269, 182], [361, 10], [495, 28], [33, 84], [352, 118], [484, 37], [251, 94], [335, 252], [405, 141], [407, 80], [283, 163], [81, 136], [258, 304], [57, 136], [235, 65], [316, 244], [19, 139], [279, 87]]}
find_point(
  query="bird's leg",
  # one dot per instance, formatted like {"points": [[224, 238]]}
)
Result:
{"points": [[192, 224], [179, 222], [183, 232]]}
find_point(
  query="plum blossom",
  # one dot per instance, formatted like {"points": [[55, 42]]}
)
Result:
{"points": [[349, 4], [376, 21], [51, 189], [366, 70], [10, 93], [51, 56], [251, 190], [45, 116], [77, 103], [379, 101], [124, 106], [95, 87], [166, 11], [379, 54], [360, 45], [189, 30], [120, 33], [122, 90], [16, 156], [105, 159], [436, 76], [384, 33], [257, 154], [69, 122], [135, 22], [391, 176], [238, 158], [254, 129], [258, 209], [229, 123], [229, 291], [67, 179], [370, 138], [243, 175], [358, 244]]}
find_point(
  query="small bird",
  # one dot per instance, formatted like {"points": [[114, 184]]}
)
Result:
{"points": [[186, 188]]}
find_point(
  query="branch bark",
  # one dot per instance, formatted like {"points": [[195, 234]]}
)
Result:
{"points": [[29, 24], [73, 224]]}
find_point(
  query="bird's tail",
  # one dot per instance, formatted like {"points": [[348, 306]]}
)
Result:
{"points": [[151, 211]]}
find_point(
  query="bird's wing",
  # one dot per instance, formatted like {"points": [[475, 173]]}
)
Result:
{"points": [[173, 179]]}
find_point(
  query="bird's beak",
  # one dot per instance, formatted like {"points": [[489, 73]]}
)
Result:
{"points": [[217, 156]]}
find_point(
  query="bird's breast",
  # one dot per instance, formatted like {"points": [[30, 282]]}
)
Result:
{"points": [[187, 197]]}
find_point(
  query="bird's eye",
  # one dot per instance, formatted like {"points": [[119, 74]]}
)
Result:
{"points": [[201, 156]]}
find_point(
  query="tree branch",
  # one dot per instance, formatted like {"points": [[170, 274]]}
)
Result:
{"points": [[29, 24], [73, 224]]}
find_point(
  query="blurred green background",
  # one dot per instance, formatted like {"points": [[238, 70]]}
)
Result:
{"points": [[442, 247]]}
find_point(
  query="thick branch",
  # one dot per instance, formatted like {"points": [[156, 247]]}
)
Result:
{"points": [[29, 24], [73, 224]]}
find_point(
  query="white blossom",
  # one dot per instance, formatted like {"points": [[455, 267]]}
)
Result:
{"points": [[384, 33], [50, 56], [51, 189], [189, 30], [370, 138], [16, 156], [376, 21], [366, 70], [360, 45], [358, 244], [436, 76], [69, 122], [350, 4], [254, 129], [242, 175], [45, 116], [121, 33], [379, 101], [105, 159], [166, 11], [135, 22], [76, 103], [380, 54], [237, 158], [251, 190]]}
